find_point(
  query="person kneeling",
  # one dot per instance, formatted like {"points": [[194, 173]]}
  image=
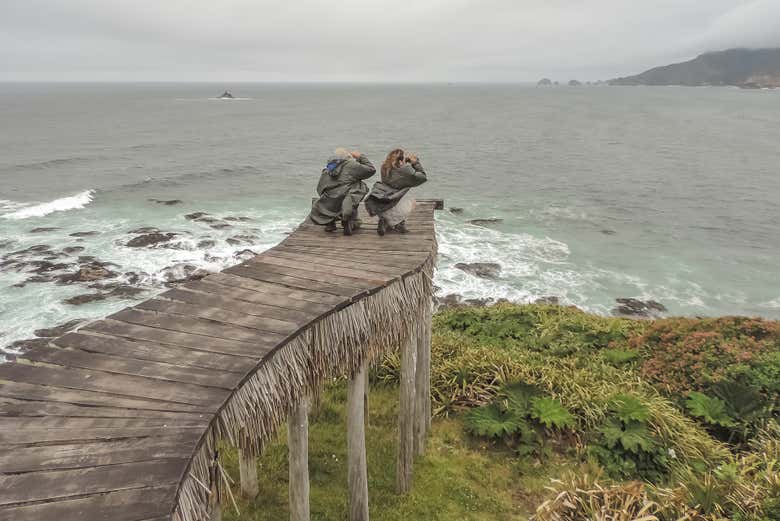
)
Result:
{"points": [[390, 198], [341, 188]]}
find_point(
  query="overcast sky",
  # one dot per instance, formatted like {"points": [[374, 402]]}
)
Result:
{"points": [[368, 40]]}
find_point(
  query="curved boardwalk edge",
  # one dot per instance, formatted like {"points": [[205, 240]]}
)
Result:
{"points": [[123, 418]]}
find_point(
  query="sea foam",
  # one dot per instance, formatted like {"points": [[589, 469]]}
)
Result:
{"points": [[73, 202]]}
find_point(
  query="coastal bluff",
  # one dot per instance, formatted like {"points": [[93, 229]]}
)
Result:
{"points": [[123, 418]]}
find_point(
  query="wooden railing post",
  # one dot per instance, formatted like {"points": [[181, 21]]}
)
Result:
{"points": [[403, 478], [247, 469], [357, 473], [298, 447], [423, 381]]}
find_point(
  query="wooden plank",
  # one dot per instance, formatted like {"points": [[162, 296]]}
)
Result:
{"points": [[125, 505], [88, 424], [316, 301], [368, 246], [381, 263], [129, 366], [168, 354], [143, 332], [38, 408], [312, 274], [273, 277], [232, 318], [39, 486], [256, 340], [49, 393], [206, 398], [38, 437], [223, 301], [334, 272], [95, 453]]}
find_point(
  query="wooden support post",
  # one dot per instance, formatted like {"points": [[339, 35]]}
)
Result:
{"points": [[298, 447], [357, 472], [403, 478], [247, 469], [216, 512], [423, 382]]}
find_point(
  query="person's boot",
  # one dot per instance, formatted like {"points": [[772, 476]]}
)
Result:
{"points": [[381, 227], [347, 225], [356, 222], [401, 227], [330, 227]]}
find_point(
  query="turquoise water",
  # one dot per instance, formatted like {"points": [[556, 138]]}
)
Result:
{"points": [[657, 193]]}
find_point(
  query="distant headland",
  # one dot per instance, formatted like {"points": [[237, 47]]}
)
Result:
{"points": [[746, 68]]}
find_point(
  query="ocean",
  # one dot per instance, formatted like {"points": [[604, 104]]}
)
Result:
{"points": [[669, 194]]}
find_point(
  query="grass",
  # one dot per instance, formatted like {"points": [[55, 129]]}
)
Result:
{"points": [[458, 478]]}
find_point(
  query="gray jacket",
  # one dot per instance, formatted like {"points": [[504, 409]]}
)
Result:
{"points": [[341, 188], [385, 194]]}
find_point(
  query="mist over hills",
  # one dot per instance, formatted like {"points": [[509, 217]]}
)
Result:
{"points": [[747, 68]]}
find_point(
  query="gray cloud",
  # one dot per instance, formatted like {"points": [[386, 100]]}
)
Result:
{"points": [[367, 40]]}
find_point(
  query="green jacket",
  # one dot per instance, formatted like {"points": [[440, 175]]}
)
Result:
{"points": [[341, 188], [385, 194]]}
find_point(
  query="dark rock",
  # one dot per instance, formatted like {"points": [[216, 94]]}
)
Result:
{"points": [[208, 219], [221, 226], [485, 270], [5, 243], [145, 229], [44, 229], [485, 222], [608, 232], [183, 272], [169, 202], [84, 234], [78, 300], [456, 210], [195, 215], [241, 239], [240, 219], [544, 82], [87, 273], [86, 258], [44, 266], [631, 307], [206, 244], [29, 343], [150, 239], [478, 302], [245, 254], [70, 250], [60, 329], [38, 248], [550, 301], [37, 279], [126, 291]]}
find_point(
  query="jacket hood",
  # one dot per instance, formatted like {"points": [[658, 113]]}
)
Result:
{"points": [[333, 166]]}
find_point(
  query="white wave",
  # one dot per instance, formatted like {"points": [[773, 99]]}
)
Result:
{"points": [[73, 202]]}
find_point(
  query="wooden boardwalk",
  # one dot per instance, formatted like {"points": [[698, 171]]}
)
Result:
{"points": [[121, 419]]}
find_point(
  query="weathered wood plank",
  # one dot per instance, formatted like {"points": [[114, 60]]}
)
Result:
{"points": [[39, 486], [223, 316], [375, 264], [125, 505], [145, 350], [334, 272], [96, 453], [283, 296], [273, 277], [37, 408], [313, 275], [209, 398], [142, 332], [129, 366]]}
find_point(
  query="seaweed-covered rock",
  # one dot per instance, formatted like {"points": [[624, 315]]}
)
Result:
{"points": [[485, 270], [150, 239], [631, 307], [485, 222]]}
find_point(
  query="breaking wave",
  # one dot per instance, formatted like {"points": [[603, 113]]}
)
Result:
{"points": [[73, 202]]}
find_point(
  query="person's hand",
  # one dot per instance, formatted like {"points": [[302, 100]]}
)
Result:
{"points": [[356, 154]]}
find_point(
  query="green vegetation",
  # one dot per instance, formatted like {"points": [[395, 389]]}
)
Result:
{"points": [[551, 410]]}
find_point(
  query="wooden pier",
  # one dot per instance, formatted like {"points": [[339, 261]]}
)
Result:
{"points": [[122, 420]]}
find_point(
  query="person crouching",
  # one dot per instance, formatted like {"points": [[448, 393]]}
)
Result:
{"points": [[341, 188], [390, 198]]}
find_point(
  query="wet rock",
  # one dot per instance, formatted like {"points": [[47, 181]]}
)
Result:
{"points": [[239, 219], [485, 222], [448, 301], [5, 243], [84, 234], [195, 215], [44, 229], [456, 210], [60, 329], [38, 248], [83, 259], [145, 229], [206, 244], [36, 279], [87, 273], [126, 291], [221, 226], [241, 239], [608, 232], [244, 255], [79, 300], [29, 343], [150, 239], [70, 250], [169, 202], [44, 266], [485, 270], [631, 307], [208, 220], [550, 301], [478, 302], [183, 272]]}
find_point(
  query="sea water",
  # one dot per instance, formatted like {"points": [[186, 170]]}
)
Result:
{"points": [[668, 194]]}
